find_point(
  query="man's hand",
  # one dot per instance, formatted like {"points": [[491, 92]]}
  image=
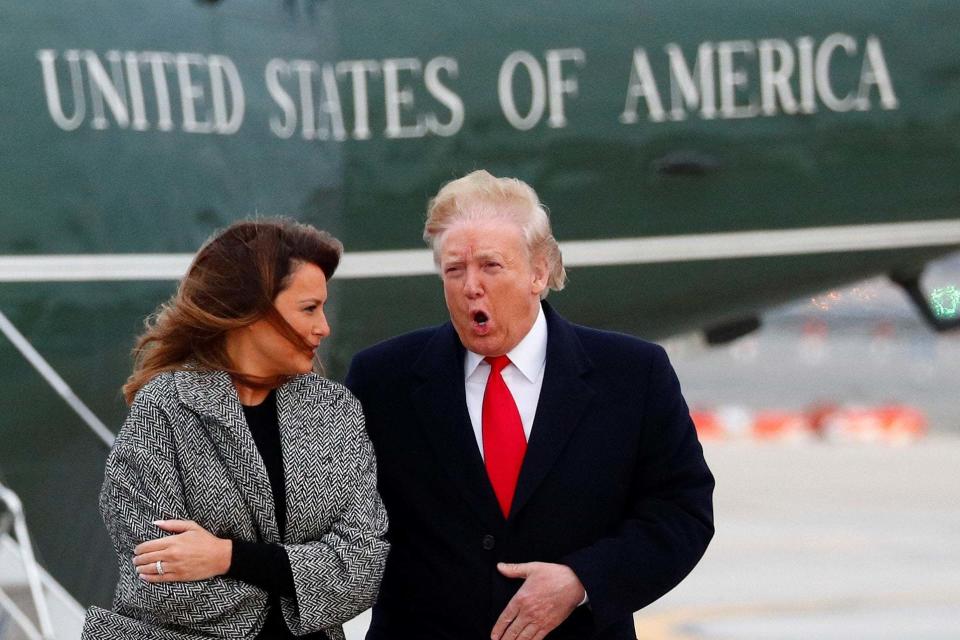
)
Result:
{"points": [[192, 554], [549, 594]]}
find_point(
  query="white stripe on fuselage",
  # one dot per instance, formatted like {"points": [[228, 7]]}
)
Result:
{"points": [[578, 253]]}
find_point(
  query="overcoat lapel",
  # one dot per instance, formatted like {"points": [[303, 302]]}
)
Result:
{"points": [[564, 397], [440, 402], [212, 396]]}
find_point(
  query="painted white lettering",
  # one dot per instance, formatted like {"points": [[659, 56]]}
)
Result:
{"points": [[822, 71], [190, 93], [224, 75], [358, 70], [775, 79], [158, 61], [304, 70], [642, 85], [808, 94], [281, 127], [51, 88], [560, 85], [330, 106], [319, 117], [733, 78], [444, 95], [138, 109], [104, 88], [683, 87], [538, 99], [398, 98], [875, 73]]}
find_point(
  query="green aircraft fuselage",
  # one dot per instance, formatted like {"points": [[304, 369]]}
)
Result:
{"points": [[701, 161]]}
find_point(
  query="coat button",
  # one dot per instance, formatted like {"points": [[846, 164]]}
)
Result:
{"points": [[489, 542]]}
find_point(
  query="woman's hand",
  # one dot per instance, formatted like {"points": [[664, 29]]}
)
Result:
{"points": [[192, 554]]}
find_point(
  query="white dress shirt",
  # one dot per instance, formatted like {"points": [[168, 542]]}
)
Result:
{"points": [[523, 376]]}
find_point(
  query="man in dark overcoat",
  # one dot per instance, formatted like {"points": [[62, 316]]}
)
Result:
{"points": [[542, 479]]}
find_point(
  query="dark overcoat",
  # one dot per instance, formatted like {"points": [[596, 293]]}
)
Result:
{"points": [[613, 484]]}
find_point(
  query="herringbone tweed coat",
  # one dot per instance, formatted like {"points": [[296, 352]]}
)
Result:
{"points": [[185, 452]]}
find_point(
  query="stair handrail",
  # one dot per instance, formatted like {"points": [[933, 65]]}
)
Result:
{"points": [[30, 567]]}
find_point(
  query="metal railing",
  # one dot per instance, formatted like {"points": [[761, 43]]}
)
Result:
{"points": [[13, 521]]}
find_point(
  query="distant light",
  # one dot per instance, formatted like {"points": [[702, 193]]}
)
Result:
{"points": [[946, 301], [863, 294], [826, 301]]}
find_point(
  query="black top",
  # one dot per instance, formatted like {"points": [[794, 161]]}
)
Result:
{"points": [[262, 564]]}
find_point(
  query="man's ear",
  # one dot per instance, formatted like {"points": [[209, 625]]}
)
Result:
{"points": [[541, 273]]}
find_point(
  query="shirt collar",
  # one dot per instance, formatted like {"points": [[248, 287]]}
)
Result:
{"points": [[528, 356]]}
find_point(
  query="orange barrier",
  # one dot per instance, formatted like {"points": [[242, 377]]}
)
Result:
{"points": [[793, 426], [889, 424], [893, 424], [708, 425]]}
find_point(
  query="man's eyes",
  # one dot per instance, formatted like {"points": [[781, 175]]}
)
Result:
{"points": [[455, 270]]}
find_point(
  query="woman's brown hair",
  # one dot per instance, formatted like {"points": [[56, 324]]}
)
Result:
{"points": [[231, 283]]}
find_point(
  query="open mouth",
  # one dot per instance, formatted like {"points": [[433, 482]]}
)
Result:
{"points": [[480, 318]]}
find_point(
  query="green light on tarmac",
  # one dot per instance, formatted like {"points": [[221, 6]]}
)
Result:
{"points": [[946, 302]]}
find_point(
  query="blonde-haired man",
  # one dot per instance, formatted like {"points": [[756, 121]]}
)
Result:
{"points": [[540, 477]]}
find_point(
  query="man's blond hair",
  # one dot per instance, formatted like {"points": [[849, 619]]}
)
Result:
{"points": [[480, 196]]}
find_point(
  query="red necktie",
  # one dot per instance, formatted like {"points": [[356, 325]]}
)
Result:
{"points": [[503, 440]]}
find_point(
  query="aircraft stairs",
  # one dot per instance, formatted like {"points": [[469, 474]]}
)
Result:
{"points": [[33, 606]]}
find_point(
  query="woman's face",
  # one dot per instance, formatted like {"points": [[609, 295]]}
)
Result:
{"points": [[266, 352]]}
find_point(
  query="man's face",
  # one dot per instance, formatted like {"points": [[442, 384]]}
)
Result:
{"points": [[491, 288]]}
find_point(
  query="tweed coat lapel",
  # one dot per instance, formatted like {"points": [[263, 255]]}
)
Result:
{"points": [[441, 405], [212, 396], [564, 397]]}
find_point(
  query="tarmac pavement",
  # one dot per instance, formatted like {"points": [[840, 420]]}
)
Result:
{"points": [[823, 541]]}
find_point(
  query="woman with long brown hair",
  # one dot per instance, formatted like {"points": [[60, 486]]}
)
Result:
{"points": [[241, 491]]}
